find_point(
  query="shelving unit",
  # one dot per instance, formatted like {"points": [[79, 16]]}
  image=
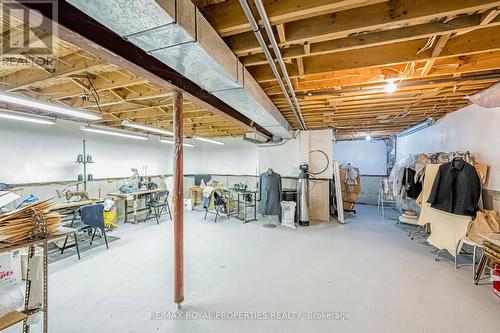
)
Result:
{"points": [[14, 317], [84, 161]]}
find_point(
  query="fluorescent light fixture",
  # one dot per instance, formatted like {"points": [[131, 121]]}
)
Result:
{"points": [[418, 127], [391, 86], [171, 142], [368, 138], [199, 138], [146, 128], [46, 106], [6, 114], [114, 132]]}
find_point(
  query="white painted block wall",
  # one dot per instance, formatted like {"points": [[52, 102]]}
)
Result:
{"points": [[368, 156], [34, 153]]}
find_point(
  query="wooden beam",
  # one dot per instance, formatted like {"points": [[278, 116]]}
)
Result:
{"points": [[478, 41], [178, 201], [382, 16], [374, 39], [112, 80], [228, 18], [281, 33], [300, 66], [486, 18], [69, 65], [84, 32], [442, 40]]}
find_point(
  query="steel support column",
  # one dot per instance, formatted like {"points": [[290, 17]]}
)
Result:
{"points": [[178, 201]]}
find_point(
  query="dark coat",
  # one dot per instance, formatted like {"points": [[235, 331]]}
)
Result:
{"points": [[456, 188], [270, 194], [412, 189]]}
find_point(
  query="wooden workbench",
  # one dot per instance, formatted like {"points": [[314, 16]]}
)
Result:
{"points": [[135, 197], [66, 205]]}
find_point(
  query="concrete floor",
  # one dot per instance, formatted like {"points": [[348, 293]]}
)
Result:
{"points": [[367, 268]]}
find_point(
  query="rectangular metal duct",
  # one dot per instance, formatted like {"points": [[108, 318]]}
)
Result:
{"points": [[176, 33]]}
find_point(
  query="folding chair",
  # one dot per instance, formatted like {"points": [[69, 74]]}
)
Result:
{"points": [[157, 204], [217, 202], [92, 218]]}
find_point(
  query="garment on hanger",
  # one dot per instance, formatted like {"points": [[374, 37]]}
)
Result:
{"points": [[413, 188], [270, 193], [456, 188]]}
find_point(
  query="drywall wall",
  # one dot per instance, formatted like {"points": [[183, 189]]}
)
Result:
{"points": [[305, 148], [368, 156], [472, 128], [38, 153], [314, 148], [283, 159]]}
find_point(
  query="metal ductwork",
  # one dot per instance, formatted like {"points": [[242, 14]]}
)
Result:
{"points": [[176, 33]]}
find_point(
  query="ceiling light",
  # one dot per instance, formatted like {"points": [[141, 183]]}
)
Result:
{"points": [[6, 114], [171, 142], [114, 132], [368, 138], [46, 106], [146, 128], [199, 138], [390, 87]]}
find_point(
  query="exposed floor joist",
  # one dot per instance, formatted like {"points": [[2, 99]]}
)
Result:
{"points": [[340, 54]]}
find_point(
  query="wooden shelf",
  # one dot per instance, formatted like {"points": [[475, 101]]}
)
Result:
{"points": [[11, 319]]}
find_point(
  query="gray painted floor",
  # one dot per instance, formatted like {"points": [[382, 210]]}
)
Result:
{"points": [[367, 268]]}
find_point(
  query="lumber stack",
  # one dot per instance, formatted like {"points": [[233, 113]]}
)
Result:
{"points": [[29, 222]]}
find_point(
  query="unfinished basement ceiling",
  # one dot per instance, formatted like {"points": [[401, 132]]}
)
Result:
{"points": [[83, 80], [341, 53]]}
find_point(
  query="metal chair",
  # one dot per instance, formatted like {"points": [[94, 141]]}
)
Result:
{"points": [[219, 205], [157, 203], [92, 219]]}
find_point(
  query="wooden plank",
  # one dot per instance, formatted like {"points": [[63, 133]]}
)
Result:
{"points": [[228, 18], [463, 23], [11, 318], [68, 65], [453, 66], [300, 66], [281, 33], [108, 81], [486, 18], [382, 16], [442, 40], [479, 41]]}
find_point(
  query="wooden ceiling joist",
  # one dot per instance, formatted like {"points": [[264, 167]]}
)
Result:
{"points": [[478, 41], [381, 16]]}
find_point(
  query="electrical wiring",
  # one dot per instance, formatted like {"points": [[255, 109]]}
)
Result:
{"points": [[327, 161], [314, 180]]}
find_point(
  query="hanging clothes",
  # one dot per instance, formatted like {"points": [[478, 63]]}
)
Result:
{"points": [[456, 188], [413, 188], [270, 193]]}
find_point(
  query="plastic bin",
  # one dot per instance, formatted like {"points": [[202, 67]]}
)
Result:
{"points": [[495, 278]]}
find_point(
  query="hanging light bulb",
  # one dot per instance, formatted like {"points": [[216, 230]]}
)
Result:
{"points": [[390, 86], [368, 137]]}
